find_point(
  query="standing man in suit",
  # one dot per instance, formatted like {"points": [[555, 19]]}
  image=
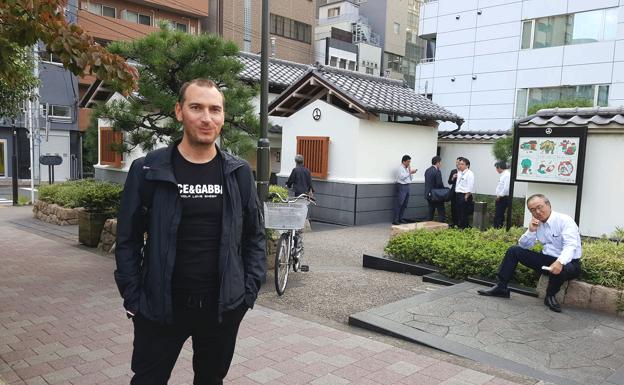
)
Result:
{"points": [[452, 181], [403, 181], [502, 193], [464, 191], [433, 179]]}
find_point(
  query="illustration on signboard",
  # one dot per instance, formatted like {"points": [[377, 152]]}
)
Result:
{"points": [[529, 146], [545, 168], [547, 147], [526, 165], [568, 147], [565, 168]]}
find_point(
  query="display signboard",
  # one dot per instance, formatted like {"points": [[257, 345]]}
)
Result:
{"points": [[550, 154]]}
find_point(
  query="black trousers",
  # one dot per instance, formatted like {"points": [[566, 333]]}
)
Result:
{"points": [[157, 347], [535, 261], [441, 211], [499, 215], [463, 207], [454, 218]]}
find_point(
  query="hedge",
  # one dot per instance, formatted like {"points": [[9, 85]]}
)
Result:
{"points": [[470, 252], [93, 195]]}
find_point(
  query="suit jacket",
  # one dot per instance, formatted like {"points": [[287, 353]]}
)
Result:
{"points": [[450, 179], [433, 179]]}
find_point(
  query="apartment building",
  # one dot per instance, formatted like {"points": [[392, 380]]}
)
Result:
{"points": [[291, 26], [490, 62], [344, 39]]}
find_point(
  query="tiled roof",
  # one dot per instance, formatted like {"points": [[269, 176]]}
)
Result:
{"points": [[384, 95], [472, 136], [282, 73], [580, 116]]}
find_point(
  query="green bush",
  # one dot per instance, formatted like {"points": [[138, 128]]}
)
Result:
{"points": [[96, 196], [280, 190], [470, 252]]}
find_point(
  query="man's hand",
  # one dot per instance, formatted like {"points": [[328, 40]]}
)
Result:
{"points": [[467, 196], [413, 171], [454, 176], [498, 198], [556, 268], [534, 224]]}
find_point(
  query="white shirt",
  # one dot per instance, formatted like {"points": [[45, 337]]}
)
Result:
{"points": [[465, 181], [502, 189], [404, 176], [559, 236]]}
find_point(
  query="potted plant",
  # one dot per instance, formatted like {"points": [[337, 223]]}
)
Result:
{"points": [[100, 201]]}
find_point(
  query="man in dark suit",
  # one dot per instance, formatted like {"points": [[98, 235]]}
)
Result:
{"points": [[433, 179], [452, 180]]}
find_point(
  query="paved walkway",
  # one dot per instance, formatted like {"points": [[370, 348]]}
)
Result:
{"points": [[573, 347], [61, 323]]}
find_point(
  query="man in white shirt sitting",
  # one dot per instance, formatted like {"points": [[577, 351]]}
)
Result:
{"points": [[561, 253], [464, 189], [502, 194]]}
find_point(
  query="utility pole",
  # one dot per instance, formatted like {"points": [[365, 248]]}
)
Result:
{"points": [[32, 116], [14, 168], [264, 146]]}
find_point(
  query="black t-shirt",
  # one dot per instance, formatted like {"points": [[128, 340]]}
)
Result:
{"points": [[200, 186]]}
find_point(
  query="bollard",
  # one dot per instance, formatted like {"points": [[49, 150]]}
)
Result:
{"points": [[479, 218]]}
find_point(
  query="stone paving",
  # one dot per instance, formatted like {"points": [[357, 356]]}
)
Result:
{"points": [[61, 322], [576, 346]]}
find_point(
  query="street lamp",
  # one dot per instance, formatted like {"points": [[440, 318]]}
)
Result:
{"points": [[264, 146]]}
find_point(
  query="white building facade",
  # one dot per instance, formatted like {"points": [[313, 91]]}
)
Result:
{"points": [[490, 61]]}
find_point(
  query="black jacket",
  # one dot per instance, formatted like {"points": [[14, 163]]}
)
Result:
{"points": [[144, 270], [433, 179], [300, 180], [452, 181]]}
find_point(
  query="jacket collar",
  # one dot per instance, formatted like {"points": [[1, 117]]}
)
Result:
{"points": [[160, 167]]}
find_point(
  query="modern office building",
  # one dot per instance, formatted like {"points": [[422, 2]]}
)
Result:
{"points": [[492, 61]]}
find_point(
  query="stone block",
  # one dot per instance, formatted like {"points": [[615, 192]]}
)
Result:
{"points": [[429, 225], [578, 294], [604, 299], [542, 284]]}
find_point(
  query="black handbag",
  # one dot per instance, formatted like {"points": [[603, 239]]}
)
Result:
{"points": [[441, 194]]}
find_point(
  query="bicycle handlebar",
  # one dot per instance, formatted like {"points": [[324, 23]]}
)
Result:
{"points": [[302, 196]]}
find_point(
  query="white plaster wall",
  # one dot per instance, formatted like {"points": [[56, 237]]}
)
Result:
{"points": [[370, 53], [481, 163], [339, 126], [602, 188], [380, 146], [340, 54]]}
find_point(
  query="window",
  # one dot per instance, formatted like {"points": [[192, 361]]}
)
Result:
{"points": [[351, 65], [3, 158], [333, 61], [291, 29], [315, 151], [333, 12], [343, 63], [596, 95], [102, 10], [56, 111], [181, 27], [392, 62], [137, 18], [369, 71], [577, 28], [429, 48], [397, 28], [109, 138]]}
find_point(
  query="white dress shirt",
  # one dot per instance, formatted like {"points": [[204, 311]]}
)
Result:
{"points": [[465, 182], [559, 236], [502, 189], [404, 176]]}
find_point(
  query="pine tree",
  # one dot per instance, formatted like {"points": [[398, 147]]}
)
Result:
{"points": [[166, 60]]}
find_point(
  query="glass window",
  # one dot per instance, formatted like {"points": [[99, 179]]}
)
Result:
{"points": [[288, 28], [333, 61], [273, 24], [131, 16], [603, 96], [397, 28], [279, 20], [333, 12], [610, 23], [550, 31], [108, 11], [585, 27], [343, 63], [56, 111], [181, 27], [145, 20], [527, 28], [351, 65], [521, 103]]}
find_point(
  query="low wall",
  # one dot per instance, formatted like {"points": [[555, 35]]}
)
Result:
{"points": [[109, 234], [585, 295], [53, 213]]}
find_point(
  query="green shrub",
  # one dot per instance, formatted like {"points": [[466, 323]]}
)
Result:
{"points": [[462, 253], [280, 190], [96, 196]]}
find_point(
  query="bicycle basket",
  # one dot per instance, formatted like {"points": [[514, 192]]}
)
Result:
{"points": [[285, 216]]}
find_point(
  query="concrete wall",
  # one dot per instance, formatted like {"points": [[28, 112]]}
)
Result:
{"points": [[481, 163], [488, 46], [370, 53]]}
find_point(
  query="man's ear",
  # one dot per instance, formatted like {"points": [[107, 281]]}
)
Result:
{"points": [[178, 111]]}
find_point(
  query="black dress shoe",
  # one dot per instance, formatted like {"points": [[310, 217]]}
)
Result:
{"points": [[405, 221], [395, 223], [552, 303], [496, 291]]}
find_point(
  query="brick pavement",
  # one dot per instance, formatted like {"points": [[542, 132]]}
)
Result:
{"points": [[61, 323]]}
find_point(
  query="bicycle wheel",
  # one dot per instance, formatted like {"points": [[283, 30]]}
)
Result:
{"points": [[282, 263]]}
